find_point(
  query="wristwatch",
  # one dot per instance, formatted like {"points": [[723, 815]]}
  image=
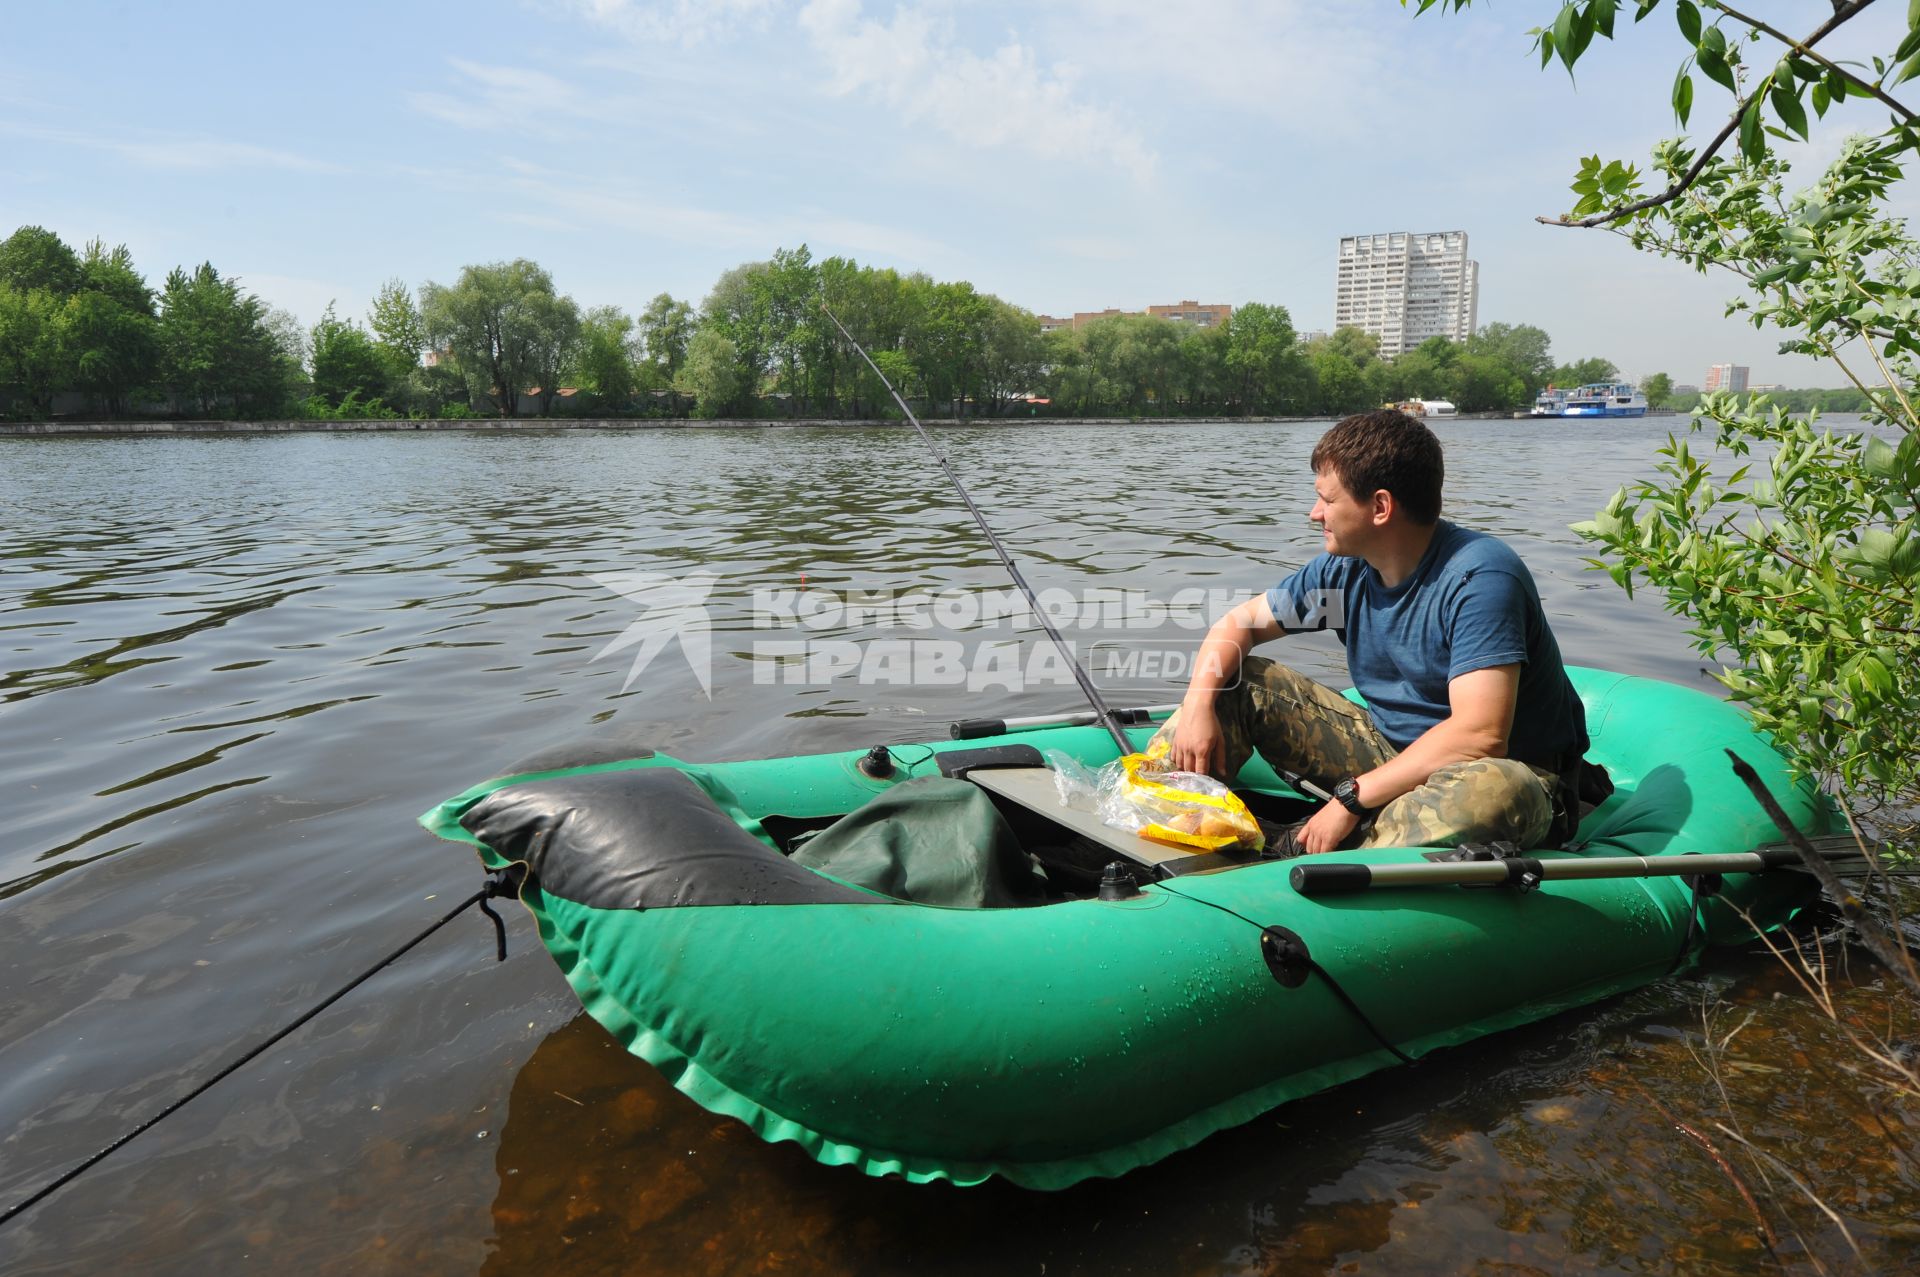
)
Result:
{"points": [[1347, 794]]}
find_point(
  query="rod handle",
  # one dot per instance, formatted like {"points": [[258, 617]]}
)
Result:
{"points": [[1330, 880], [975, 728]]}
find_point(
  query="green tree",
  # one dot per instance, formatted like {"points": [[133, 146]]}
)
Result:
{"points": [[35, 258], [1583, 372], [216, 350], [1793, 551], [713, 375], [397, 326], [1263, 358], [33, 363], [347, 362], [108, 328], [1522, 349], [1658, 389], [603, 359], [736, 309], [111, 350], [664, 329], [507, 328]]}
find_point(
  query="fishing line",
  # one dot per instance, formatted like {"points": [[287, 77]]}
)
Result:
{"points": [[502, 884], [1107, 719]]}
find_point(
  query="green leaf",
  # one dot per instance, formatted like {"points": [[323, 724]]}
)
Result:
{"points": [[1909, 46], [1714, 66], [1876, 547], [1753, 143], [1875, 675], [1908, 69], [1786, 104], [1713, 40], [1563, 35], [1880, 459], [1820, 98], [1689, 18], [1904, 562], [1682, 95]]}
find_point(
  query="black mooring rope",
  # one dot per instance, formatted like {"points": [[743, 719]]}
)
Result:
{"points": [[499, 885], [1333, 985]]}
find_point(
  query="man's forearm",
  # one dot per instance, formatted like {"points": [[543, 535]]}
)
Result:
{"points": [[1217, 662], [1448, 741]]}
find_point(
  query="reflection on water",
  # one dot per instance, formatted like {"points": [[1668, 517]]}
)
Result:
{"points": [[233, 669], [1543, 1150]]}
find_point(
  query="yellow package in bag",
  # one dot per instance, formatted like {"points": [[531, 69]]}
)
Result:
{"points": [[1186, 809]]}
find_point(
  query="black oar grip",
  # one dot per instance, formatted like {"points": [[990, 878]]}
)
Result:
{"points": [[975, 728], [1330, 880]]}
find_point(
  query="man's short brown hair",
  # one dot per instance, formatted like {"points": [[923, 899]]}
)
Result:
{"points": [[1386, 449]]}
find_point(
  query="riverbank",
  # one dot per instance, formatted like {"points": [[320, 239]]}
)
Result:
{"points": [[117, 428]]}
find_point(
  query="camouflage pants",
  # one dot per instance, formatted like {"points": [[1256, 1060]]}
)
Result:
{"points": [[1302, 726]]}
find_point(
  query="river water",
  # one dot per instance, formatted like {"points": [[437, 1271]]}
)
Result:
{"points": [[234, 669]]}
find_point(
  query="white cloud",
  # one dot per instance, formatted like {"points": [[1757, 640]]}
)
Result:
{"points": [[682, 21], [183, 153], [916, 66], [494, 97], [625, 208]]}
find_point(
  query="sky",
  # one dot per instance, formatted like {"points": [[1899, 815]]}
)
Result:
{"points": [[1062, 154]]}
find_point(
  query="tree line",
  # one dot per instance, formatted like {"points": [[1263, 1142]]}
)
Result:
{"points": [[501, 339]]}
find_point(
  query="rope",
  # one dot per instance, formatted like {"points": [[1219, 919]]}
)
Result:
{"points": [[500, 885], [1333, 985]]}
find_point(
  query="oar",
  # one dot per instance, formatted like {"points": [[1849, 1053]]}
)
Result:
{"points": [[974, 728], [1527, 872]]}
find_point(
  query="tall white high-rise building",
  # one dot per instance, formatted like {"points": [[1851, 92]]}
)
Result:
{"points": [[1404, 288]]}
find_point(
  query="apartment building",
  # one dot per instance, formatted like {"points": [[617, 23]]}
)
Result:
{"points": [[1730, 377], [1405, 287], [1211, 315]]}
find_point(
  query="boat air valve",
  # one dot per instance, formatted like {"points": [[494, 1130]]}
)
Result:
{"points": [[878, 763], [1117, 882]]}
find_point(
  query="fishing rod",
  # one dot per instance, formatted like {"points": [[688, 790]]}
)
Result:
{"points": [[1107, 718]]}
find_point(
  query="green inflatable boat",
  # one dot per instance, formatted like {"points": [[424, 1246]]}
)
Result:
{"points": [[1072, 1020]]}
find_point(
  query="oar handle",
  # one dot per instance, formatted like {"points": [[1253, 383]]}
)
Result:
{"points": [[1345, 877]]}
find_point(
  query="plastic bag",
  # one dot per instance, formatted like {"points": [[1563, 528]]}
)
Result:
{"points": [[1142, 795]]}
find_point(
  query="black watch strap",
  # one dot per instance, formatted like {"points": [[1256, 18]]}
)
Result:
{"points": [[1347, 794]]}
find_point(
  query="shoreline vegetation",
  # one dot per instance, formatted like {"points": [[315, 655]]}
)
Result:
{"points": [[83, 338], [299, 425]]}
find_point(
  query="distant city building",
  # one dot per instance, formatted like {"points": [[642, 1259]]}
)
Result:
{"points": [[1732, 377], [1192, 312], [1767, 387], [1315, 335], [1405, 287], [1685, 390], [1185, 312]]}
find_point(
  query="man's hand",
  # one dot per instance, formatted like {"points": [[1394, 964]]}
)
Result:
{"points": [[1198, 744], [1329, 828]]}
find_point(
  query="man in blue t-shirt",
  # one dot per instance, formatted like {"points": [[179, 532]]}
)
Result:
{"points": [[1471, 731]]}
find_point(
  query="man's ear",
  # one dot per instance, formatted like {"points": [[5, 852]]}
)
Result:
{"points": [[1383, 507]]}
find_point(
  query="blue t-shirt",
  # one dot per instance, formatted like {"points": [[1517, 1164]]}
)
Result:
{"points": [[1470, 605]]}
